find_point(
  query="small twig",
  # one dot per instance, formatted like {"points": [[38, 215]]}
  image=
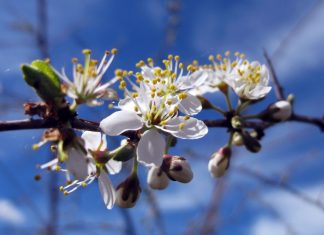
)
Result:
{"points": [[279, 89], [310, 120], [210, 222], [282, 185]]}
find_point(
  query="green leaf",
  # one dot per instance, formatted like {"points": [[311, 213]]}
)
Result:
{"points": [[43, 79]]}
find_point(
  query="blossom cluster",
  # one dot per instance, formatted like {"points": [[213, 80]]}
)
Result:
{"points": [[160, 103]]}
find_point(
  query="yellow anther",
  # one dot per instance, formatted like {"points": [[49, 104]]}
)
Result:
{"points": [[227, 53], [177, 58], [61, 188], [119, 78], [140, 64], [186, 118], [169, 102], [170, 57], [160, 93], [119, 72], [130, 73], [84, 184], [57, 168], [134, 95], [154, 81], [163, 123], [35, 147], [93, 62], [147, 81], [234, 63], [114, 51], [140, 77], [181, 66], [195, 62], [190, 67], [237, 54], [110, 106], [125, 73], [74, 60], [136, 109], [181, 126], [66, 193], [211, 58], [183, 95], [93, 74], [242, 56], [150, 61], [86, 51], [172, 87]]}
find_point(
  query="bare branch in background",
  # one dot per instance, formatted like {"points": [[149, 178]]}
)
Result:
{"points": [[210, 221], [278, 88], [155, 211], [281, 185]]}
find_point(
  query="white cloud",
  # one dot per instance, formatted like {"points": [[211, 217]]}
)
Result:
{"points": [[268, 226], [302, 217], [10, 213]]}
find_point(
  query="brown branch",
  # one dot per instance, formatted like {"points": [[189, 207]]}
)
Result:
{"points": [[82, 124], [279, 89], [310, 120]]}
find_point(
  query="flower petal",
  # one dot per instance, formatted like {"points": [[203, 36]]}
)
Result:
{"points": [[77, 164], [113, 166], [119, 122], [193, 80], [191, 128], [92, 140], [151, 148], [190, 105], [107, 190]]}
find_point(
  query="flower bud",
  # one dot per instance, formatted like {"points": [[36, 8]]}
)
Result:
{"points": [[177, 168], [219, 162], [128, 192], [236, 122], [157, 178], [284, 110], [277, 112], [251, 143], [237, 139]]}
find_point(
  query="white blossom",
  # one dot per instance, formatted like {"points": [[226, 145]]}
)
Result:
{"points": [[86, 86], [82, 167], [155, 105], [249, 80], [158, 115]]}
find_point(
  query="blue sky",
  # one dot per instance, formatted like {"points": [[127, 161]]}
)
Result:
{"points": [[137, 29]]}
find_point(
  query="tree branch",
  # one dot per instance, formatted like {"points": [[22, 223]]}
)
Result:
{"points": [[279, 89], [82, 124]]}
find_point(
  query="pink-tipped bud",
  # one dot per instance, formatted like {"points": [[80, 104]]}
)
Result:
{"points": [[128, 192], [157, 178], [219, 162], [177, 168]]}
